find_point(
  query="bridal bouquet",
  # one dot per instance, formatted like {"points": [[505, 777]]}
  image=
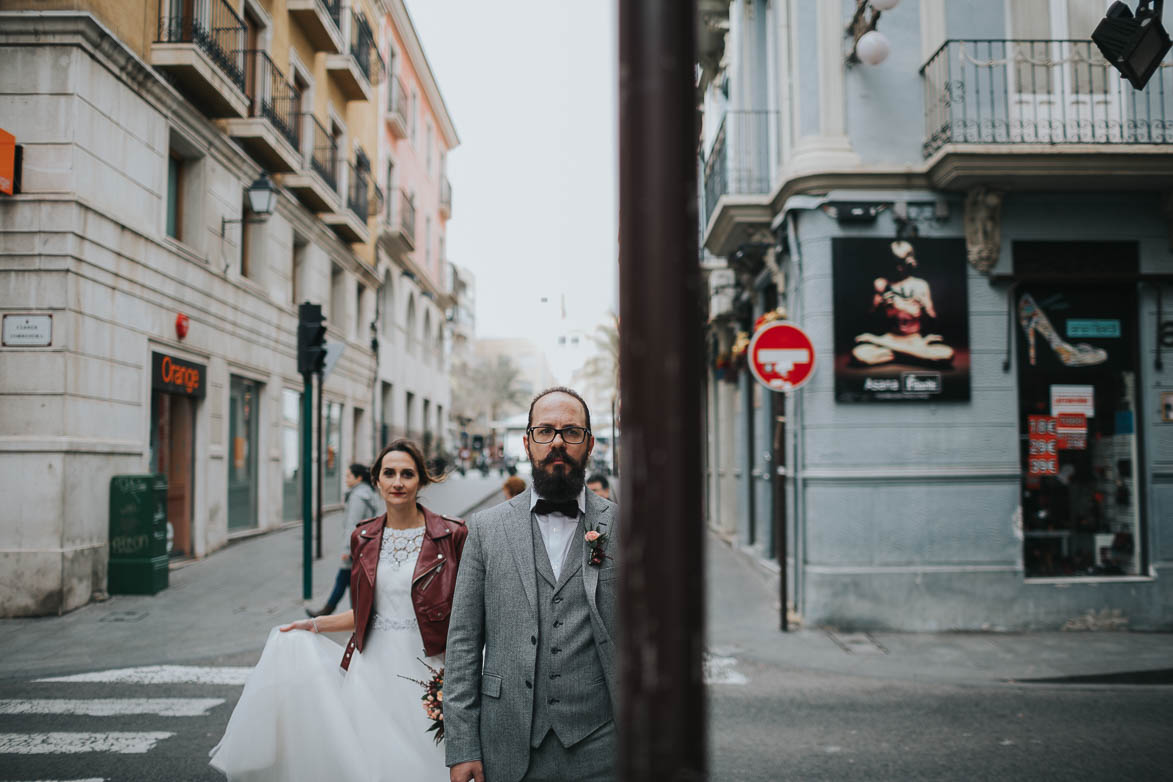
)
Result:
{"points": [[433, 699]]}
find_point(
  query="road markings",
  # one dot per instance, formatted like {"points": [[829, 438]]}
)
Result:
{"points": [[112, 707], [162, 674], [121, 743], [719, 670]]}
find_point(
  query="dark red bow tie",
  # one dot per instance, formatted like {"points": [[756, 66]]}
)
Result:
{"points": [[545, 507]]}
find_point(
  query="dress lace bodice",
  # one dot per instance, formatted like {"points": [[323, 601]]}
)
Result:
{"points": [[398, 553]]}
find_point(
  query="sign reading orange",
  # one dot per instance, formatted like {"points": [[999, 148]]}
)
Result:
{"points": [[176, 376], [7, 162]]}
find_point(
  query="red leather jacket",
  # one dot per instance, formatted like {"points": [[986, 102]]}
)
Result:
{"points": [[432, 583]]}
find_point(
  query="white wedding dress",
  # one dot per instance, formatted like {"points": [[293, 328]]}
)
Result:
{"points": [[301, 717]]}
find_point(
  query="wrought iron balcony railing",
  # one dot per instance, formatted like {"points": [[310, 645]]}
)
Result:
{"points": [[407, 215], [334, 9], [272, 96], [739, 161], [358, 195], [1038, 92], [213, 25], [324, 153], [364, 49], [446, 195]]}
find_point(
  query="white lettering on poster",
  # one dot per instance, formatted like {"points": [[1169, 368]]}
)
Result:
{"points": [[881, 384]]}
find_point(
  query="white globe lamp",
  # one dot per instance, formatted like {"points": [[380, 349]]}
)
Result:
{"points": [[885, 5], [872, 48]]}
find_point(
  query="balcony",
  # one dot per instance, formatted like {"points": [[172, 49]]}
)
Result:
{"points": [[737, 179], [200, 48], [1041, 115], [321, 21], [398, 226], [358, 70], [351, 223], [272, 131], [315, 184], [445, 198], [396, 107]]}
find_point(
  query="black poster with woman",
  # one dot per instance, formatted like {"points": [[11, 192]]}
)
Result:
{"points": [[901, 320]]}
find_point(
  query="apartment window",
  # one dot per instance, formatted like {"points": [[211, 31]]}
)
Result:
{"points": [[409, 414], [428, 242], [427, 427], [332, 485], [390, 189], [387, 314], [428, 149], [359, 290], [298, 270], [184, 205], [174, 195], [414, 119], [411, 324], [337, 312], [388, 401]]}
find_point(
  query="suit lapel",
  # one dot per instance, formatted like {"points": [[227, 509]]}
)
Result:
{"points": [[573, 561], [598, 516], [520, 535]]}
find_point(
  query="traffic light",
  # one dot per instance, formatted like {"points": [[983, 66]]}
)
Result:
{"points": [[311, 338]]}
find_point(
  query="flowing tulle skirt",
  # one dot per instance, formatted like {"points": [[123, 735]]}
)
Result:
{"points": [[302, 718]]}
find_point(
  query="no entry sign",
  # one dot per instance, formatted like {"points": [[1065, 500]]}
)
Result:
{"points": [[781, 356]]}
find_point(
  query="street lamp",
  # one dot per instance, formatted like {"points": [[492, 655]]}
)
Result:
{"points": [[1135, 45], [261, 195], [869, 45]]}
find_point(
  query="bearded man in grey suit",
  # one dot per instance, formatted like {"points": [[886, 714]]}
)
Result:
{"points": [[536, 596]]}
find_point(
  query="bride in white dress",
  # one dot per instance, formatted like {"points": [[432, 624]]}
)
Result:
{"points": [[301, 716]]}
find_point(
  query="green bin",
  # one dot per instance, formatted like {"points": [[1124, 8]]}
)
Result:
{"points": [[139, 564]]}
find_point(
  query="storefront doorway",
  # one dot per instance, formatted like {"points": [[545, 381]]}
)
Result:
{"points": [[176, 388], [1079, 423], [243, 422]]}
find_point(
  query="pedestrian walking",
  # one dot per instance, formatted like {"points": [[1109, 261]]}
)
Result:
{"points": [[531, 664], [361, 505], [298, 719]]}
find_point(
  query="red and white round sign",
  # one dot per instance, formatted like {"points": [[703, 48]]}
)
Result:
{"points": [[781, 356]]}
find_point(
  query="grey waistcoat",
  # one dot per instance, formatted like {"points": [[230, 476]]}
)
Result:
{"points": [[570, 690]]}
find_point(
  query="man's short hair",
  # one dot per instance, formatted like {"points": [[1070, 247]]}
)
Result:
{"points": [[600, 479], [559, 390]]}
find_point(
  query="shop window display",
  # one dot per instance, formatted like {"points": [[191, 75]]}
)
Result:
{"points": [[1077, 380]]}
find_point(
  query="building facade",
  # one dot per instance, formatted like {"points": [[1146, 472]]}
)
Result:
{"points": [[415, 135], [976, 236], [167, 309]]}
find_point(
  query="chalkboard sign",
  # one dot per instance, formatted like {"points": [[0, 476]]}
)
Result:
{"points": [[138, 535]]}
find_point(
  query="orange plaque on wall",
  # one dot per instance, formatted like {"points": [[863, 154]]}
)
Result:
{"points": [[7, 162]]}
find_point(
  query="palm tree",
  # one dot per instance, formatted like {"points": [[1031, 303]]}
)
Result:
{"points": [[601, 371]]}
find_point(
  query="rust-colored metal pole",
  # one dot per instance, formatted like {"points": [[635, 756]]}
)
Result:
{"points": [[661, 588]]}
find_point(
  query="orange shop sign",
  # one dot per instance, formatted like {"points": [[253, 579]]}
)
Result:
{"points": [[7, 162], [173, 375]]}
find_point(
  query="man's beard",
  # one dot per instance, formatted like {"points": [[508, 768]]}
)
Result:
{"points": [[559, 485]]}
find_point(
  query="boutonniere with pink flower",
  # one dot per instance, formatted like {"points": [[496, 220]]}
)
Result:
{"points": [[597, 540]]}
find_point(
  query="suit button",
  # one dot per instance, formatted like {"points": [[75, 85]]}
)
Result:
{"points": [[554, 676], [528, 684], [552, 701], [555, 650], [557, 600], [557, 622], [533, 639]]}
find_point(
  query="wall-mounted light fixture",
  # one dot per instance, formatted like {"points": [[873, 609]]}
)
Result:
{"points": [[869, 45], [262, 195], [1135, 45]]}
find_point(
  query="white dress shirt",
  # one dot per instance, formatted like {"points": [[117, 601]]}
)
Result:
{"points": [[557, 531]]}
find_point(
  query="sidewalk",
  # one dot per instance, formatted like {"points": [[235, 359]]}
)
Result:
{"points": [[218, 607], [743, 622]]}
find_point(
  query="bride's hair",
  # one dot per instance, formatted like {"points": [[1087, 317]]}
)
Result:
{"points": [[413, 450]]}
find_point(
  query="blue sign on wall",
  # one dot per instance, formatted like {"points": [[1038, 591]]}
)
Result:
{"points": [[1097, 328]]}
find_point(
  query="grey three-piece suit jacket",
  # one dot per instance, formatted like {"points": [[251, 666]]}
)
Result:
{"points": [[540, 669]]}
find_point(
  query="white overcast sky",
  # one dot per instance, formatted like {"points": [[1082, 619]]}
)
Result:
{"points": [[530, 85]]}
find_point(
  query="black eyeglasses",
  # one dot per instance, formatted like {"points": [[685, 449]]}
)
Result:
{"points": [[571, 435]]}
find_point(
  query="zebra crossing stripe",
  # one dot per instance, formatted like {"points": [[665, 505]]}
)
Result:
{"points": [[112, 707], [720, 670], [162, 674], [121, 743]]}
